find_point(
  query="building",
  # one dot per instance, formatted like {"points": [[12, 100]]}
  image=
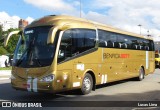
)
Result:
{"points": [[22, 24]]}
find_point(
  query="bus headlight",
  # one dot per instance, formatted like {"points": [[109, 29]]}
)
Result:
{"points": [[48, 78]]}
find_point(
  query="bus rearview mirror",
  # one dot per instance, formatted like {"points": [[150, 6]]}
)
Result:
{"points": [[9, 36], [52, 34]]}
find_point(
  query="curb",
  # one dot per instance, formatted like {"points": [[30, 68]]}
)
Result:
{"points": [[5, 74]]}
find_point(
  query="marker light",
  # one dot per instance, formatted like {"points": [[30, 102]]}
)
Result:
{"points": [[48, 78]]}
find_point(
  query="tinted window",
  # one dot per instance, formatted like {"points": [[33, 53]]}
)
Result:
{"points": [[107, 39], [151, 45], [123, 41], [76, 41], [32, 49], [115, 40]]}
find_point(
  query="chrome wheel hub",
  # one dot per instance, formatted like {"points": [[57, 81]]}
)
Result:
{"points": [[141, 74], [87, 83]]}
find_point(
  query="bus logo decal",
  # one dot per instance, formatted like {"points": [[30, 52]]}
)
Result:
{"points": [[29, 32], [113, 55], [65, 76]]}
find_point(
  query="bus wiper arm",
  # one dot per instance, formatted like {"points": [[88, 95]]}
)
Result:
{"points": [[39, 63], [21, 58]]}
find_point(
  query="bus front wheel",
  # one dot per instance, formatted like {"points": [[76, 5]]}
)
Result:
{"points": [[141, 74], [87, 84]]}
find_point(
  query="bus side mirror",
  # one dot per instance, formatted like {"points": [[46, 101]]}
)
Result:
{"points": [[52, 34], [9, 35]]}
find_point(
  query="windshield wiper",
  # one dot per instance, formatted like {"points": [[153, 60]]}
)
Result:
{"points": [[25, 51], [21, 58], [39, 63]]}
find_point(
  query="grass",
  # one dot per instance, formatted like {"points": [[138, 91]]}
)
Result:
{"points": [[6, 68]]}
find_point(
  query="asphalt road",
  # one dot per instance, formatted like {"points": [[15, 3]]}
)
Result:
{"points": [[127, 90]]}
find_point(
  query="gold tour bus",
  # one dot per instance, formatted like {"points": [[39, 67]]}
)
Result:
{"points": [[60, 53]]}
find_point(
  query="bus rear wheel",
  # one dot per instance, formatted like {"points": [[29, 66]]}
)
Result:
{"points": [[87, 84], [141, 74]]}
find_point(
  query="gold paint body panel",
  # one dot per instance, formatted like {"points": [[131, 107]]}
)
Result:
{"points": [[68, 75]]}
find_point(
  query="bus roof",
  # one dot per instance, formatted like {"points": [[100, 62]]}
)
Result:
{"points": [[63, 19]]}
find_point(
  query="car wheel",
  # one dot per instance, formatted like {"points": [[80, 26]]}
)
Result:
{"points": [[87, 84], [141, 74]]}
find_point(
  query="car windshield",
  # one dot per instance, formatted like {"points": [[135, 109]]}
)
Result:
{"points": [[32, 49]]}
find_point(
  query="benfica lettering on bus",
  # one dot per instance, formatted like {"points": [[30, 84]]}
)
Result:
{"points": [[114, 55]]}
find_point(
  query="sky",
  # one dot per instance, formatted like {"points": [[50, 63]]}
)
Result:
{"points": [[123, 14]]}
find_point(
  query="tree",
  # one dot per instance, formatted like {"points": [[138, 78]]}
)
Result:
{"points": [[3, 51], [1, 32], [11, 44], [1, 29], [12, 41]]}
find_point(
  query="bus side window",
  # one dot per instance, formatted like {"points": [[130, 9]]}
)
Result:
{"points": [[122, 41], [110, 44], [128, 41], [83, 40], [76, 41], [140, 44], [134, 45], [107, 39], [151, 46], [146, 45], [104, 39], [65, 46], [113, 39]]}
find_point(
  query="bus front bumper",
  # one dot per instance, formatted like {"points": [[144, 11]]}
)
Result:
{"points": [[32, 86]]}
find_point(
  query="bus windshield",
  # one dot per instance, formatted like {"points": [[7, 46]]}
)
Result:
{"points": [[32, 49]]}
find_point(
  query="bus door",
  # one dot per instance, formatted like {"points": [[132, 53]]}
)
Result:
{"points": [[76, 44], [64, 63], [64, 76]]}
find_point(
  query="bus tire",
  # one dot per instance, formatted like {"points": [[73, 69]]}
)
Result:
{"points": [[87, 84], [159, 65], [141, 74]]}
